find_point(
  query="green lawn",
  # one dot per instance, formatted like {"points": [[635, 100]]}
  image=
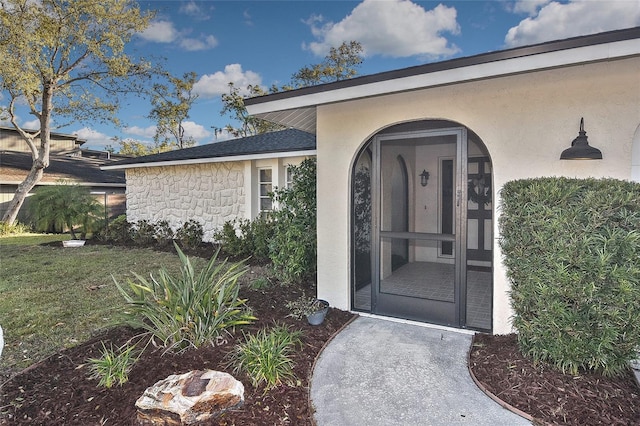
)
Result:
{"points": [[52, 297]]}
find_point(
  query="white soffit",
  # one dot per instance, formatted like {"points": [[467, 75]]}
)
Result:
{"points": [[299, 111]]}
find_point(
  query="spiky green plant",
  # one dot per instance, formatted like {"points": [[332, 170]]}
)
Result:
{"points": [[190, 310], [266, 356], [114, 365]]}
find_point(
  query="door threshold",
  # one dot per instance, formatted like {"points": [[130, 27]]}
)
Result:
{"points": [[417, 323]]}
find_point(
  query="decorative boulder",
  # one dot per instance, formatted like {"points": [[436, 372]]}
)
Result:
{"points": [[189, 398]]}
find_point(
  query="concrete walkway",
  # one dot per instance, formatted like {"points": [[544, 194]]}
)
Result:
{"points": [[380, 372]]}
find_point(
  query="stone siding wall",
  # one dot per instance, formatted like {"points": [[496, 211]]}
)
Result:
{"points": [[209, 193]]}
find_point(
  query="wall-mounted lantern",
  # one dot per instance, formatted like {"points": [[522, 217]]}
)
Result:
{"points": [[424, 178], [580, 149]]}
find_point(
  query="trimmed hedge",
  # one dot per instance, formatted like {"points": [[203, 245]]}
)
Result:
{"points": [[572, 252]]}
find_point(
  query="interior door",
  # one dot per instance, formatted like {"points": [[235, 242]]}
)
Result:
{"points": [[423, 285]]}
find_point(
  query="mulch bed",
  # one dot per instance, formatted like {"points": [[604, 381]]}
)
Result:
{"points": [[57, 391], [547, 395]]}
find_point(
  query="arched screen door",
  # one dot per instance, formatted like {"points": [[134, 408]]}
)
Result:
{"points": [[426, 285]]}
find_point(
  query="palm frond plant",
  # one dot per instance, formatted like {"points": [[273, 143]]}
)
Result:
{"points": [[65, 206], [190, 310]]}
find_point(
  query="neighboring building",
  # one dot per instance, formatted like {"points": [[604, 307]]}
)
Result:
{"points": [[212, 183], [411, 163], [67, 162], [61, 143]]}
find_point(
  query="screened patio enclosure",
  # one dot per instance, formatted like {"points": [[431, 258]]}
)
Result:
{"points": [[422, 226]]}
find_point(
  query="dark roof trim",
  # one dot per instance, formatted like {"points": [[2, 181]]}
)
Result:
{"points": [[281, 143], [484, 58], [56, 134]]}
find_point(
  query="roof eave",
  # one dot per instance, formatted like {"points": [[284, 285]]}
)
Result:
{"points": [[288, 107], [220, 159], [75, 182]]}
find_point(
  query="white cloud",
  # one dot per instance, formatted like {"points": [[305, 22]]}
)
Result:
{"points": [[396, 28], [164, 31], [192, 9], [145, 132], [161, 31], [222, 135], [195, 130], [33, 124], [94, 138], [248, 19], [203, 43], [530, 7], [211, 85], [556, 20]]}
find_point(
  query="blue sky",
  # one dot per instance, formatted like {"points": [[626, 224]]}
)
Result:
{"points": [[265, 42]]}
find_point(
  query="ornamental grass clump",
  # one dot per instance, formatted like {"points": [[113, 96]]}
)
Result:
{"points": [[114, 365], [266, 356], [572, 252], [191, 310]]}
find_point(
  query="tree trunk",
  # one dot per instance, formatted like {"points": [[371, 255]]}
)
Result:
{"points": [[71, 231], [34, 176], [40, 156]]}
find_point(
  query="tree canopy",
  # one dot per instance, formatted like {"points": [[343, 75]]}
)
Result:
{"points": [[234, 106], [171, 105], [340, 63], [66, 60], [136, 148]]}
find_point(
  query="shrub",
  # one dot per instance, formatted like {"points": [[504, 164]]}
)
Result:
{"points": [[190, 310], [190, 234], [260, 283], [15, 228], [63, 207], [293, 248], [164, 234], [246, 238], [119, 230], [266, 357], [113, 366], [232, 244], [143, 233], [572, 252], [261, 230]]}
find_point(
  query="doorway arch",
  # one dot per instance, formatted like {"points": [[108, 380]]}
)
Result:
{"points": [[422, 246]]}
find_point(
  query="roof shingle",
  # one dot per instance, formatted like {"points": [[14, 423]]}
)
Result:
{"points": [[289, 140]]}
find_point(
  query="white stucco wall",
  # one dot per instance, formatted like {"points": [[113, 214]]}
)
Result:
{"points": [[209, 193], [525, 121]]}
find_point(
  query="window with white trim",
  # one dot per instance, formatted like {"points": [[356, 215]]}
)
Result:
{"points": [[265, 184], [289, 177]]}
